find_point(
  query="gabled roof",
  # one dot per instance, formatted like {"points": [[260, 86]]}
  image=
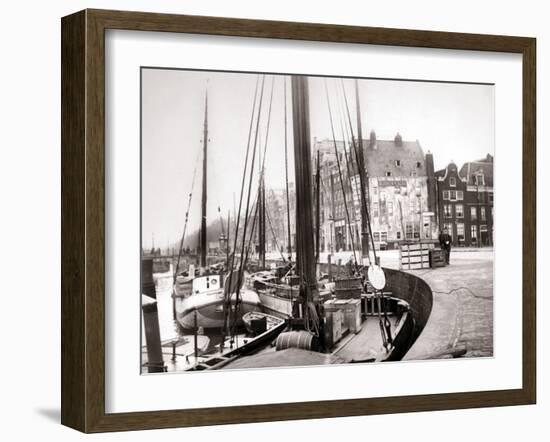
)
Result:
{"points": [[442, 173], [485, 166], [381, 156]]}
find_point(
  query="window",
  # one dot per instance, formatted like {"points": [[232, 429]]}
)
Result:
{"points": [[448, 227], [388, 173], [452, 181], [418, 164], [383, 236], [398, 235], [447, 211], [409, 231], [473, 234], [452, 195], [479, 179], [473, 213], [459, 211], [460, 232], [411, 206], [446, 195], [482, 214], [376, 236], [398, 163], [459, 195], [390, 208], [375, 209], [483, 228], [490, 197]]}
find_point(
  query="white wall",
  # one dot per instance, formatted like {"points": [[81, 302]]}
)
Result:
{"points": [[30, 216]]}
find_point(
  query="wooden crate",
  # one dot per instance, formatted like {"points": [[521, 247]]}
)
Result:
{"points": [[415, 256], [437, 258]]}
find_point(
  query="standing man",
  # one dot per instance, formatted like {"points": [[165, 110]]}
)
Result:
{"points": [[445, 241]]}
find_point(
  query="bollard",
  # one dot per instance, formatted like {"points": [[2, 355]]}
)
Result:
{"points": [[155, 362]]}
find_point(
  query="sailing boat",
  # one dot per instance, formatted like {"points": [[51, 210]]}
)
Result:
{"points": [[279, 288], [199, 296], [343, 329]]}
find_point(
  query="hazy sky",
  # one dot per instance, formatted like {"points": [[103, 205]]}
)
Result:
{"points": [[453, 121]]}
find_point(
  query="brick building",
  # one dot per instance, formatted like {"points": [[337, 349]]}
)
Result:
{"points": [[465, 202]]}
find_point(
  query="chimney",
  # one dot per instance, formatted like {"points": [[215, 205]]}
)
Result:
{"points": [[398, 140], [372, 140], [432, 191]]}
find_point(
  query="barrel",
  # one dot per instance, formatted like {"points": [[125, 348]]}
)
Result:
{"points": [[297, 339]]}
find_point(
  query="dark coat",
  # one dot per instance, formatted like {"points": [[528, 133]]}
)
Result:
{"points": [[445, 241]]}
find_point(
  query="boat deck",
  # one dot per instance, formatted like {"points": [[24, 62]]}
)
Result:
{"points": [[183, 358], [364, 346]]}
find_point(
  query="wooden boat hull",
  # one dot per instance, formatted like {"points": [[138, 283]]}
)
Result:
{"points": [[275, 305], [276, 298], [251, 346], [209, 309]]}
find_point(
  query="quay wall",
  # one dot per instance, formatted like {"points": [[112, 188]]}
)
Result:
{"points": [[418, 294]]}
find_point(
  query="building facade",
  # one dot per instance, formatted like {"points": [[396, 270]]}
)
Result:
{"points": [[400, 193], [465, 202]]}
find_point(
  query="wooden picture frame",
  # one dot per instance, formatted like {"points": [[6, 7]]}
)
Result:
{"points": [[83, 219]]}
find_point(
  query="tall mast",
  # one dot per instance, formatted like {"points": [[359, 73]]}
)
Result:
{"points": [[261, 210], [317, 209], [363, 184], [227, 250], [289, 244], [305, 257], [203, 235]]}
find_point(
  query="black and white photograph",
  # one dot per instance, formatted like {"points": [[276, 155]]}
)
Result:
{"points": [[306, 220]]}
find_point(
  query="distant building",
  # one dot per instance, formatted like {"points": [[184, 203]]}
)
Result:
{"points": [[213, 247], [276, 220], [400, 193], [465, 202]]}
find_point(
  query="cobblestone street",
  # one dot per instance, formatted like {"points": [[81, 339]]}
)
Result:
{"points": [[462, 314]]}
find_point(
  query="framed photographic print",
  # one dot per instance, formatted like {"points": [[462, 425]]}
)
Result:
{"points": [[270, 220]]}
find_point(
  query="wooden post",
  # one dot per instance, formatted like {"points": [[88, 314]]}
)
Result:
{"points": [[155, 362], [195, 336]]}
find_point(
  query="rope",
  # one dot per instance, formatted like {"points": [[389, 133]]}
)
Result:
{"points": [[252, 165], [363, 200], [186, 220], [355, 192], [274, 236], [341, 179], [237, 221], [240, 275]]}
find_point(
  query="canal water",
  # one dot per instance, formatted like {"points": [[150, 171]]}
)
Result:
{"points": [[208, 342]]}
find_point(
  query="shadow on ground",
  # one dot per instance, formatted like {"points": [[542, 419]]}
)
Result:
{"points": [[51, 414]]}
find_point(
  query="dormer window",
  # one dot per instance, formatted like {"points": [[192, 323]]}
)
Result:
{"points": [[479, 179], [397, 163], [452, 182]]}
